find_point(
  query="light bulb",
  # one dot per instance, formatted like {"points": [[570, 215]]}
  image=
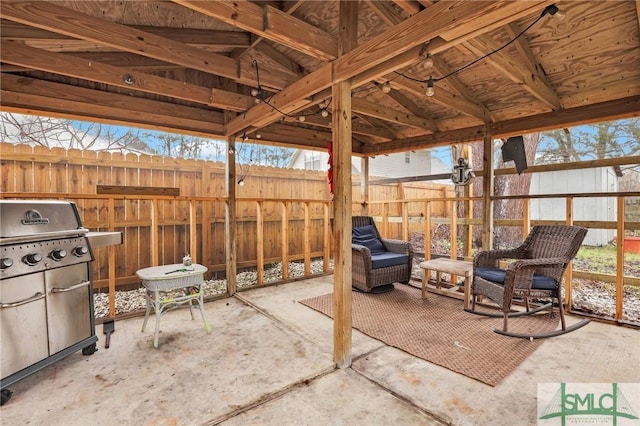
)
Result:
{"points": [[254, 92], [302, 118], [430, 90], [428, 62], [324, 113], [258, 135], [322, 105], [241, 182], [559, 15], [257, 100], [386, 88], [231, 150]]}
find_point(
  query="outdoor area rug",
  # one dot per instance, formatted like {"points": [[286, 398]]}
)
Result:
{"points": [[440, 331]]}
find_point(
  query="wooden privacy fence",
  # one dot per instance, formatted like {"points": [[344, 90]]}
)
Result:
{"points": [[281, 214]]}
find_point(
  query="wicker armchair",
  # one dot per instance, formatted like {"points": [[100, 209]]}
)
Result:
{"points": [[536, 273], [377, 262]]}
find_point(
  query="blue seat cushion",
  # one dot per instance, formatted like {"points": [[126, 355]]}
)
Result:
{"points": [[387, 258], [366, 236], [496, 275]]}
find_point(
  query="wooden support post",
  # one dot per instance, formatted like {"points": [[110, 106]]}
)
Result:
{"points": [[342, 148], [487, 192], [112, 261], [230, 225], [260, 242]]}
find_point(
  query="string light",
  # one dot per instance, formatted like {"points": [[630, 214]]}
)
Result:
{"points": [[386, 88], [430, 90], [549, 10], [259, 95]]}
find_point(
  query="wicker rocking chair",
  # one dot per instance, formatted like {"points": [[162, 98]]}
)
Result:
{"points": [[377, 262], [536, 273]]}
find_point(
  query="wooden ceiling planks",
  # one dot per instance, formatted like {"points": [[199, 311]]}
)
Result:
{"points": [[589, 59]]}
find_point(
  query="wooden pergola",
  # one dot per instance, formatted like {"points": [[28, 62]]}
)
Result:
{"points": [[306, 74]]}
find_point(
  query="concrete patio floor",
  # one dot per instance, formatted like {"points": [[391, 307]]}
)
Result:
{"points": [[268, 361]]}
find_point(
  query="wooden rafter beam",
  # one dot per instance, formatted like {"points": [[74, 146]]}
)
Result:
{"points": [[385, 11], [411, 106], [410, 6], [30, 96], [363, 107], [60, 63], [445, 98], [638, 12], [269, 23], [376, 133], [604, 111], [405, 36], [392, 17], [515, 71], [49, 40], [52, 17], [458, 85]]}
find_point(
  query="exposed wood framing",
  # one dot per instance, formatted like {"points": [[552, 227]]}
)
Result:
{"points": [[341, 91]]}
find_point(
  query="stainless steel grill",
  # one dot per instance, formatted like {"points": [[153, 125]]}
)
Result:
{"points": [[46, 292]]}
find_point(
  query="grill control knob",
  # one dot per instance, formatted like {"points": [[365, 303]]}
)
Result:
{"points": [[32, 259], [6, 263], [58, 254], [80, 251]]}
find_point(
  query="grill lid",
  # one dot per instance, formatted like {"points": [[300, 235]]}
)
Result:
{"points": [[36, 218]]}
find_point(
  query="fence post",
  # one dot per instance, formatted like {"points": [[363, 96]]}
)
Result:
{"points": [[307, 239], [230, 224], [260, 242], [569, 273], [112, 260], [327, 237], [285, 240], [487, 192], [620, 259], [427, 230]]}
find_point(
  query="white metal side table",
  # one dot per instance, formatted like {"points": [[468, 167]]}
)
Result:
{"points": [[169, 287]]}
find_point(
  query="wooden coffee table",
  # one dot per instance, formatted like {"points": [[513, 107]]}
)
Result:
{"points": [[450, 266]]}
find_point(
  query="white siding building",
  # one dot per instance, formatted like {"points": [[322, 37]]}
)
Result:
{"points": [[404, 164], [601, 179]]}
